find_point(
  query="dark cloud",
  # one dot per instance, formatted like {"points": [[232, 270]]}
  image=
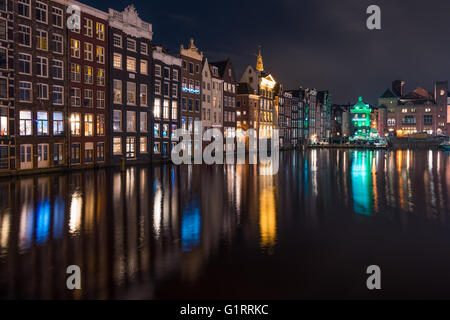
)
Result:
{"points": [[313, 43]]}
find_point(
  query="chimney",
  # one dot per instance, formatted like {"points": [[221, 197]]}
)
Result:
{"points": [[398, 87]]}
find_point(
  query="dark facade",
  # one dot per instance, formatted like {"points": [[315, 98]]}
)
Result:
{"points": [[337, 120], [323, 122], [130, 73], [226, 73], [166, 102], [40, 125], [246, 107], [191, 92], [296, 120], [7, 102], [88, 89], [285, 118]]}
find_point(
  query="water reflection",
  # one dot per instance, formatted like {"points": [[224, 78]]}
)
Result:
{"points": [[361, 176], [144, 232]]}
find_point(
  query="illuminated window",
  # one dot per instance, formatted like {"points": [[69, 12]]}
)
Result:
{"points": [[144, 68], [88, 124], [157, 108], [131, 93], [143, 122], [25, 123], [88, 152], [143, 144], [101, 151], [75, 124], [42, 123], [117, 91], [117, 120], [100, 31], [3, 121], [100, 54], [130, 145], [88, 75], [166, 109], [100, 124], [143, 95], [131, 121], [58, 123], [100, 77], [75, 72], [74, 48], [75, 155], [131, 64], [117, 60], [174, 110], [117, 145], [156, 148], [165, 131]]}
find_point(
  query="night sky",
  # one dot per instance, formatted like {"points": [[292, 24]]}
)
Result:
{"points": [[312, 43]]}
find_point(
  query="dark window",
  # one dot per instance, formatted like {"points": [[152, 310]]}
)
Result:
{"points": [[190, 104], [191, 68], [183, 104], [409, 119], [197, 105], [428, 119], [101, 151], [3, 60], [75, 153]]}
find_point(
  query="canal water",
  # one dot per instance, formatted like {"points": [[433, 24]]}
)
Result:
{"points": [[211, 232]]}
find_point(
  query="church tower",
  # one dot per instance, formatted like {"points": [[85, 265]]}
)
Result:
{"points": [[259, 61]]}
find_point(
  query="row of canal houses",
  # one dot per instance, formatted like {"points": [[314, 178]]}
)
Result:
{"points": [[80, 87]]}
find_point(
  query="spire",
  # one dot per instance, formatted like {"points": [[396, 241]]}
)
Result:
{"points": [[259, 61]]}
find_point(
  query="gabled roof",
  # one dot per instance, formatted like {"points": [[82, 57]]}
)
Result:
{"points": [[388, 94], [221, 65], [419, 93]]}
